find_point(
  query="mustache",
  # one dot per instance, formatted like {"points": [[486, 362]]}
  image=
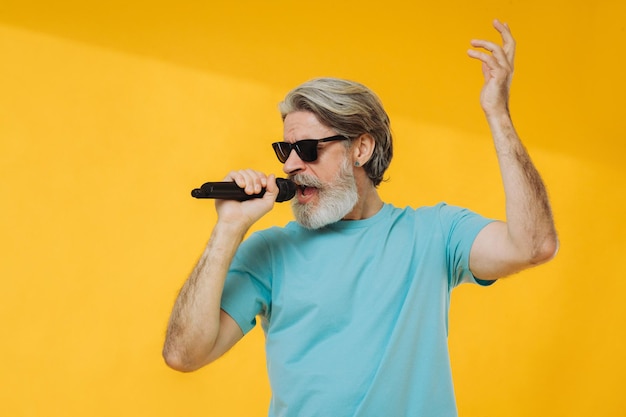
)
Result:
{"points": [[305, 180]]}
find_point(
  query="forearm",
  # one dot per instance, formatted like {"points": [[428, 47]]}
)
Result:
{"points": [[195, 320], [528, 237], [528, 214]]}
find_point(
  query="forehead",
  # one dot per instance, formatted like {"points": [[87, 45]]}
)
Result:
{"points": [[304, 125]]}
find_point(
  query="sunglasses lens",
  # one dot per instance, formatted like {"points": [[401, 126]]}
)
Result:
{"points": [[307, 150], [282, 150]]}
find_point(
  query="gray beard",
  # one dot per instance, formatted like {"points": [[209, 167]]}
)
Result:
{"points": [[335, 200]]}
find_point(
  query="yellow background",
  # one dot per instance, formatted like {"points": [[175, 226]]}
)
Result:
{"points": [[111, 112]]}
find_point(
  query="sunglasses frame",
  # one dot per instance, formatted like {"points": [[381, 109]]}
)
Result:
{"points": [[305, 148]]}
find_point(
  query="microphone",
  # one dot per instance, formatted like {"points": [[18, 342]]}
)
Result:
{"points": [[231, 191]]}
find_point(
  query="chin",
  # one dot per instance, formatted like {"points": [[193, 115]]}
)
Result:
{"points": [[332, 203], [315, 216]]}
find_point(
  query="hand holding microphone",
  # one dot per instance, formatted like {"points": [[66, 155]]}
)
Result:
{"points": [[228, 190]]}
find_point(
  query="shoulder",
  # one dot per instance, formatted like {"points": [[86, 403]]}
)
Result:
{"points": [[436, 212], [275, 237]]}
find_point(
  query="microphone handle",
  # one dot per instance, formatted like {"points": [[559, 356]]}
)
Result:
{"points": [[228, 190]]}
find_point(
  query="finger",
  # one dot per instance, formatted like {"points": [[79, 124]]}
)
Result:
{"points": [[237, 177], [488, 62], [271, 186], [492, 47], [256, 181], [504, 29], [500, 57], [251, 181], [481, 56], [488, 58], [508, 42]]}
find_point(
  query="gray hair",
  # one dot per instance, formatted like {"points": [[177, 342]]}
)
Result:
{"points": [[351, 109]]}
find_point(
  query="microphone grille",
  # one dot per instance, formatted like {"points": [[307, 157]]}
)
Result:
{"points": [[286, 189]]}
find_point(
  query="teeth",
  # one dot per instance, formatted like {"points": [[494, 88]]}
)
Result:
{"points": [[304, 190]]}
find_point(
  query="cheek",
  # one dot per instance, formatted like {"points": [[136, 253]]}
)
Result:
{"points": [[325, 173], [328, 166]]}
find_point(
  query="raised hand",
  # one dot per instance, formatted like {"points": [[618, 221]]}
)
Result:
{"points": [[497, 66]]}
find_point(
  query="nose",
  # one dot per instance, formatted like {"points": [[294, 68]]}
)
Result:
{"points": [[293, 164]]}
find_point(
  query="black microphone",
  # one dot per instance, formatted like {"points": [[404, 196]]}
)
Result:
{"points": [[231, 191]]}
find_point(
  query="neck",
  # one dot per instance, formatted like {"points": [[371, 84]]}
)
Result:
{"points": [[369, 202]]}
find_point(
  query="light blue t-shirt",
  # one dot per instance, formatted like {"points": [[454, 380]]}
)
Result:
{"points": [[356, 314]]}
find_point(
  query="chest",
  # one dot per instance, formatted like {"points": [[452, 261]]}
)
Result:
{"points": [[339, 283]]}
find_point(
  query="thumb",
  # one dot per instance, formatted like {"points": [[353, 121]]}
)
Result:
{"points": [[271, 189]]}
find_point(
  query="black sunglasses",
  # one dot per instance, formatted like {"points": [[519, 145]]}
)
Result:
{"points": [[306, 148]]}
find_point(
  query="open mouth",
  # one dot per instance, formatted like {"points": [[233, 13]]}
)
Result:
{"points": [[305, 190], [307, 187]]}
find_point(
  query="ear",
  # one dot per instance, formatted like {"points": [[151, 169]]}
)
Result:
{"points": [[362, 149]]}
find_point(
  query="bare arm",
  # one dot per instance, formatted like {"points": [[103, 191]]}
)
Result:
{"points": [[199, 331], [528, 237]]}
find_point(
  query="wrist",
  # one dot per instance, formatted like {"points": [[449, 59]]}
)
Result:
{"points": [[498, 117], [234, 228]]}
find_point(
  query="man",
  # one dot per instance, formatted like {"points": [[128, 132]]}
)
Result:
{"points": [[354, 296]]}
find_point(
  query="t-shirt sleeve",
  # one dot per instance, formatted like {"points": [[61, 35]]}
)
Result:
{"points": [[247, 288], [460, 228]]}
